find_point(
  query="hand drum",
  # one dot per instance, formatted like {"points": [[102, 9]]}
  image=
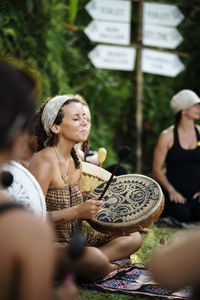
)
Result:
{"points": [[131, 202]]}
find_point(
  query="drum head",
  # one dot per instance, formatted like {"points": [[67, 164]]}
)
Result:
{"points": [[132, 201], [25, 189]]}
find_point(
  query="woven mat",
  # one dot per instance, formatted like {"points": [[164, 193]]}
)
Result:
{"points": [[136, 280]]}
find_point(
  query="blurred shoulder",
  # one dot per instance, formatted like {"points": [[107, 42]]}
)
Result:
{"points": [[167, 134], [18, 226]]}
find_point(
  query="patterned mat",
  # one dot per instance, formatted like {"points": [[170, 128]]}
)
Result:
{"points": [[136, 280]]}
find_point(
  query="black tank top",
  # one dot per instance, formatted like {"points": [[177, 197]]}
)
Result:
{"points": [[183, 167]]}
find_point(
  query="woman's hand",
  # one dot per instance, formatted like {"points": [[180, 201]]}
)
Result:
{"points": [[68, 290], [89, 208], [196, 195], [176, 197]]}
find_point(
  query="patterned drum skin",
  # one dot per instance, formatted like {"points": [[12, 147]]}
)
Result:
{"points": [[131, 202]]}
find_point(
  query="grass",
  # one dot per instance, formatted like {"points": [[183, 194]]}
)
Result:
{"points": [[93, 295], [154, 239]]}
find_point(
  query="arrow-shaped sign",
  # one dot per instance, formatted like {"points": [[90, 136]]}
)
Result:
{"points": [[162, 14], [108, 32], [161, 36], [113, 57], [161, 63], [110, 10]]}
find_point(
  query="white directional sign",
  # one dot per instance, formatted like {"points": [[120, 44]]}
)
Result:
{"points": [[161, 63], [110, 10], [162, 14], [113, 57], [161, 36], [108, 32]]}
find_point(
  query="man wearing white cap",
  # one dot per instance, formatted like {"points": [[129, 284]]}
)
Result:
{"points": [[179, 148]]}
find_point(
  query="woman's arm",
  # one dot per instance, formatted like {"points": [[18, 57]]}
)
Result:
{"points": [[86, 210], [160, 153]]}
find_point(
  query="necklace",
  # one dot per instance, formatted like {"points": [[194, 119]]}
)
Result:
{"points": [[64, 176]]}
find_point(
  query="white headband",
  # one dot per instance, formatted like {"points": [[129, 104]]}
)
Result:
{"points": [[50, 112]]}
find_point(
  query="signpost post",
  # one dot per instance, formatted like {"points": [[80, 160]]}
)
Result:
{"points": [[139, 93]]}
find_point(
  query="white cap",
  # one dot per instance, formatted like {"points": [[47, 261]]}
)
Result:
{"points": [[183, 100]]}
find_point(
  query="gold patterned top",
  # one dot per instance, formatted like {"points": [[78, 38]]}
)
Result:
{"points": [[60, 198]]}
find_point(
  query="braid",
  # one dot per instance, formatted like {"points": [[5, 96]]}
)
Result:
{"points": [[75, 158], [39, 131], [85, 149]]}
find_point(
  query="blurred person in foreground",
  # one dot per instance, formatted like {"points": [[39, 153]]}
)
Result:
{"points": [[27, 256], [20, 184], [177, 265], [179, 148]]}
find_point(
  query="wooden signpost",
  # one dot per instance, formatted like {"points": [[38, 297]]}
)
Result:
{"points": [[156, 28]]}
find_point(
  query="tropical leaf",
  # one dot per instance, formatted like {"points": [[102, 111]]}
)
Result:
{"points": [[73, 9], [9, 31]]}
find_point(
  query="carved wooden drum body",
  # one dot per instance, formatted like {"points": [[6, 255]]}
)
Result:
{"points": [[131, 202]]}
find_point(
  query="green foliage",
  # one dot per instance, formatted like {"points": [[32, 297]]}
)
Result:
{"points": [[37, 32], [73, 8]]}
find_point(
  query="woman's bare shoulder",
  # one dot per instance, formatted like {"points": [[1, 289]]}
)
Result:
{"points": [[167, 134], [168, 131], [43, 158]]}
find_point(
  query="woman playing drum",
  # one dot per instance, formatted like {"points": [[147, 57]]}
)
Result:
{"points": [[56, 166]]}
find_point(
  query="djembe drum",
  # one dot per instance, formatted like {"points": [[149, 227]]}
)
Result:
{"points": [[131, 202]]}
